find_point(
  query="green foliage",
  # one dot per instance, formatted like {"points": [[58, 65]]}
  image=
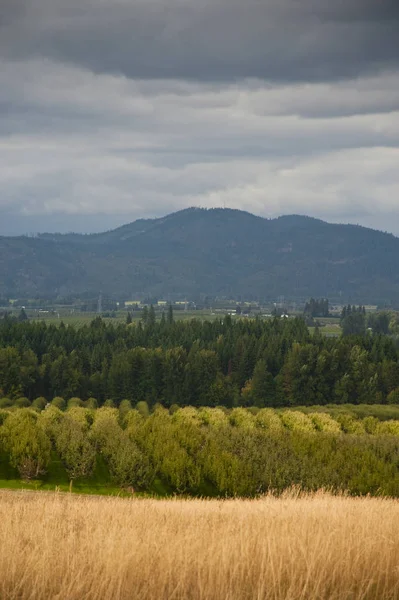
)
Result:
{"points": [[83, 416], [350, 424], [50, 420], [59, 402], [109, 403], [317, 308], [5, 402], [91, 403], [143, 408], [353, 320], [230, 363], [215, 417], [124, 408], [393, 396], [297, 421], [269, 420], [388, 428], [74, 402], [127, 464], [364, 263], [3, 415], [22, 402], [74, 447], [26, 443], [324, 422], [242, 419], [39, 403], [239, 452]]}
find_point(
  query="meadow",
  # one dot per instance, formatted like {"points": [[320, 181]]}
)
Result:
{"points": [[297, 547]]}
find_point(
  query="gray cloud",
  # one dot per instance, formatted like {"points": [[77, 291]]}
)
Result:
{"points": [[84, 145], [218, 40], [114, 110]]}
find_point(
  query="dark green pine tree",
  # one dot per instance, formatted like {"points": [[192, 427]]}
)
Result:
{"points": [[151, 317], [170, 318], [144, 316], [263, 387]]}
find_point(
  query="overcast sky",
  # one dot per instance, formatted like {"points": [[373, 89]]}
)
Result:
{"points": [[111, 110]]}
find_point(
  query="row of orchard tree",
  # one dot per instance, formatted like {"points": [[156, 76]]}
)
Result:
{"points": [[208, 451], [222, 363]]}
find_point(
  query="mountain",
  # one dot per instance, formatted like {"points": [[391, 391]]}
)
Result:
{"points": [[215, 252]]}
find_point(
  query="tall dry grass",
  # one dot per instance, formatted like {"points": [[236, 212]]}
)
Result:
{"points": [[84, 548]]}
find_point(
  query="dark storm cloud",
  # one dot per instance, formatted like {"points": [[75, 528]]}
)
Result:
{"points": [[277, 40]]}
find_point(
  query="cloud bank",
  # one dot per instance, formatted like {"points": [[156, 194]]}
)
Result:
{"points": [[114, 110]]}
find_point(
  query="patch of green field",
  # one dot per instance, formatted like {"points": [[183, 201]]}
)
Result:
{"points": [[56, 479], [82, 319], [328, 330]]}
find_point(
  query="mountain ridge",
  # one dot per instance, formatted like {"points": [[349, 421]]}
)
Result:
{"points": [[193, 252]]}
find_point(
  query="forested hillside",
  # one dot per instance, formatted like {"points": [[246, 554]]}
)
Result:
{"points": [[208, 252], [228, 363]]}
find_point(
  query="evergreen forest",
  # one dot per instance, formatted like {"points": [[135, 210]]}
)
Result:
{"points": [[228, 363]]}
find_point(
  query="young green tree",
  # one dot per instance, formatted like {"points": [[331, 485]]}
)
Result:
{"points": [[75, 449], [128, 465], [26, 443]]}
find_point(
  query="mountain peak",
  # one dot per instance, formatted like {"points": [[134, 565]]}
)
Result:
{"points": [[216, 252]]}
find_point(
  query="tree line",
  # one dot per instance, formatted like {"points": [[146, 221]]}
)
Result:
{"points": [[207, 451], [248, 362]]}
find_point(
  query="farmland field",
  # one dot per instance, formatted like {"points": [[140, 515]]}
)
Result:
{"points": [[296, 547], [79, 319]]}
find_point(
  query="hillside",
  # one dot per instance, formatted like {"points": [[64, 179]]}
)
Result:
{"points": [[215, 252]]}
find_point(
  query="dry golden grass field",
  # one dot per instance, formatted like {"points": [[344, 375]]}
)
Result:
{"points": [[63, 546]]}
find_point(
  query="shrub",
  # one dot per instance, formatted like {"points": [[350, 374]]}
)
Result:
{"points": [[124, 407], [268, 419], [297, 421], [325, 423], [388, 428], [91, 403], [22, 402], [188, 414], [240, 417], [143, 408], [72, 402], [370, 424], [39, 403], [109, 403], [83, 416], [214, 417], [3, 415], [5, 402], [59, 402], [350, 424]]}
